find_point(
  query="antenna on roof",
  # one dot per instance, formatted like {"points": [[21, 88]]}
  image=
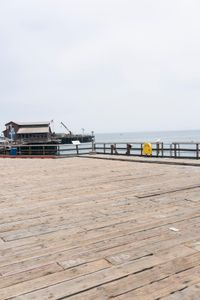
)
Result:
{"points": [[52, 122]]}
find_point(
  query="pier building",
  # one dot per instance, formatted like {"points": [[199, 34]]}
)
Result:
{"points": [[31, 131]]}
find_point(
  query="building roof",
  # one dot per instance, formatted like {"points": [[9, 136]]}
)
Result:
{"points": [[33, 130], [29, 123]]}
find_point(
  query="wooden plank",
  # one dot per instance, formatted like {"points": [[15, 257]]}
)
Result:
{"points": [[70, 287], [155, 249], [167, 286], [192, 293], [6, 281], [52, 279], [141, 279], [93, 251]]}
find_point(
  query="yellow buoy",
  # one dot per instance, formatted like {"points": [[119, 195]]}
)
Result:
{"points": [[147, 149]]}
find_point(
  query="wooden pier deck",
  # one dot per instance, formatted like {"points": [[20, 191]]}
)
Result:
{"points": [[81, 228]]}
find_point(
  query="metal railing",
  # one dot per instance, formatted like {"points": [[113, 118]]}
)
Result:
{"points": [[159, 149], [60, 150], [173, 150]]}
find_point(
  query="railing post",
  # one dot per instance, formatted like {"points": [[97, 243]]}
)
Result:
{"points": [[197, 151], [111, 149], [128, 149], [162, 149], [77, 150], [141, 150], [115, 145], [92, 145], [175, 154], [104, 148], [179, 152], [157, 149]]}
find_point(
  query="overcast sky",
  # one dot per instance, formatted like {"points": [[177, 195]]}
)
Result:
{"points": [[102, 65]]}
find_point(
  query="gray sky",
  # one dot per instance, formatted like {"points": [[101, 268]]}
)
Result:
{"points": [[102, 65]]}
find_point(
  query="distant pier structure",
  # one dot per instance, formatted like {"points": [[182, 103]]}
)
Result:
{"points": [[41, 133]]}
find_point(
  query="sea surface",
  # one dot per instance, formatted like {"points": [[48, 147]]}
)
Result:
{"points": [[154, 136]]}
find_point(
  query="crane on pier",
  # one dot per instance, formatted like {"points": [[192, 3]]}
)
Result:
{"points": [[66, 128]]}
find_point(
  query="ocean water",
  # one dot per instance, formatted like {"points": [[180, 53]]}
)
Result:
{"points": [[154, 136]]}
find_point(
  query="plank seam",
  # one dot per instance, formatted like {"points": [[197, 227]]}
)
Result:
{"points": [[168, 192]]}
